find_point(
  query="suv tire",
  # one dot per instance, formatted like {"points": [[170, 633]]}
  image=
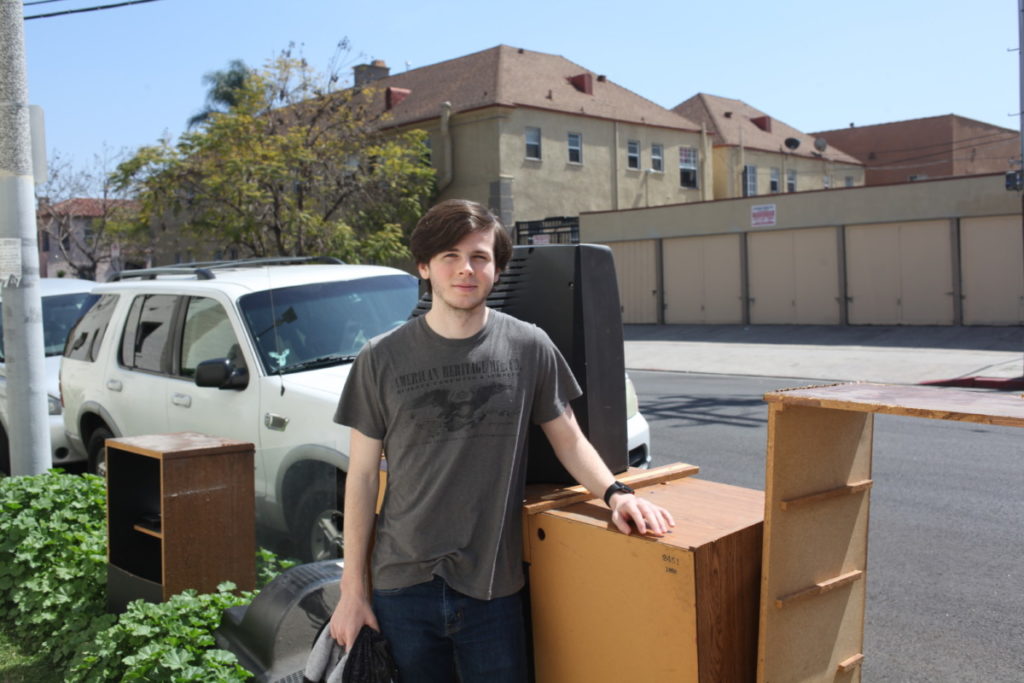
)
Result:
{"points": [[96, 449], [5, 452], [318, 506]]}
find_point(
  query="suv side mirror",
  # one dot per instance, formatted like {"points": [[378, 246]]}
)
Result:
{"points": [[221, 373]]}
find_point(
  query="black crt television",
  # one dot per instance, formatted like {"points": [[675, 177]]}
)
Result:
{"points": [[570, 291]]}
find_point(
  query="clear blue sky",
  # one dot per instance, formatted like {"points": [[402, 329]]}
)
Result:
{"points": [[124, 77]]}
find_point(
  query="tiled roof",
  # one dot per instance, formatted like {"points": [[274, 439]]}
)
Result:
{"points": [[735, 122], [513, 77], [86, 207]]}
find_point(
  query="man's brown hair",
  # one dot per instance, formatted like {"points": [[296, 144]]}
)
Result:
{"points": [[445, 224]]}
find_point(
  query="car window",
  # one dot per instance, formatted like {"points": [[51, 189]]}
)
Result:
{"points": [[295, 326], [83, 343], [207, 334], [60, 313], [145, 344]]}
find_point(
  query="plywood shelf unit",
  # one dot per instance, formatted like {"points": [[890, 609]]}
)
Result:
{"points": [[817, 500], [689, 598], [180, 514]]}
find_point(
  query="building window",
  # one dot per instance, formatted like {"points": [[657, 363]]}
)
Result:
{"points": [[849, 181], [791, 180], [826, 181], [775, 183], [688, 167], [575, 148], [532, 143], [749, 181], [657, 158], [633, 155]]}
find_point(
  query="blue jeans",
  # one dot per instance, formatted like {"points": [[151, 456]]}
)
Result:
{"points": [[439, 635]]}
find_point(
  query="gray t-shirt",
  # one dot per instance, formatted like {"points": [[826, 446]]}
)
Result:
{"points": [[453, 415]]}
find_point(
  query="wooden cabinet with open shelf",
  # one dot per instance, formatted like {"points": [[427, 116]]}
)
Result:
{"points": [[179, 515]]}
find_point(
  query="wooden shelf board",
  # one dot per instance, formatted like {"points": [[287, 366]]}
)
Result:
{"points": [[146, 530], [848, 489], [544, 497], [937, 403], [819, 588], [849, 664]]}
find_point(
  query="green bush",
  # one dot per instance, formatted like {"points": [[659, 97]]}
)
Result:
{"points": [[53, 592], [168, 641], [53, 561]]}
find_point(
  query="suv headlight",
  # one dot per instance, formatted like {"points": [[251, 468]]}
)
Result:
{"points": [[632, 402], [53, 404]]}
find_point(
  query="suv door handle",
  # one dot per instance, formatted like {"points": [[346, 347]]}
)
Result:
{"points": [[114, 384], [183, 400]]}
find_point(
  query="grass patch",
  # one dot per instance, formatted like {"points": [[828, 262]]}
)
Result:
{"points": [[18, 667]]}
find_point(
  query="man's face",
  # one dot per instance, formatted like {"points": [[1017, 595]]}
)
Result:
{"points": [[462, 276]]}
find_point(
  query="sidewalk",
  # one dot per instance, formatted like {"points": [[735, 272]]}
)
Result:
{"points": [[992, 357]]}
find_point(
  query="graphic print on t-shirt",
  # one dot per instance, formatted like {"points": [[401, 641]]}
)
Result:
{"points": [[449, 401]]}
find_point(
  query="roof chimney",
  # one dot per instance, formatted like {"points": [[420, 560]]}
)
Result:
{"points": [[763, 122], [393, 96], [368, 73], [583, 82]]}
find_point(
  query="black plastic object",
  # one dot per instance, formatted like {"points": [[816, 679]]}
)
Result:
{"points": [[570, 292], [273, 635], [369, 660]]}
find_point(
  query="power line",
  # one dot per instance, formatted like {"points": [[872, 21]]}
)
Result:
{"points": [[86, 9], [40, 2]]}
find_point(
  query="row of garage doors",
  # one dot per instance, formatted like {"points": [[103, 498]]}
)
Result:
{"points": [[968, 271]]}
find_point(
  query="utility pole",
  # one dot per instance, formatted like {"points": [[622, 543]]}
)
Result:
{"points": [[24, 350]]}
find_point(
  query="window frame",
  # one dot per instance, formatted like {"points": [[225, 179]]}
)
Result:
{"points": [[633, 155], [689, 159], [791, 180], [775, 180], [529, 132], [657, 157], [578, 148], [749, 180]]}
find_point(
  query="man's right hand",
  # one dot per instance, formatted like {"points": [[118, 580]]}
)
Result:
{"points": [[351, 614]]}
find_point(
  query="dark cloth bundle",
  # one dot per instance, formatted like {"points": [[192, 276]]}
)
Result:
{"points": [[367, 661]]}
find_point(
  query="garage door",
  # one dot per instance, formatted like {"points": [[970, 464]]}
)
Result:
{"points": [[900, 273], [992, 268], [794, 277], [636, 270], [702, 280]]}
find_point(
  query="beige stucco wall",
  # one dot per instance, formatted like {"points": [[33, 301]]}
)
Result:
{"points": [[810, 172], [554, 186], [489, 144]]}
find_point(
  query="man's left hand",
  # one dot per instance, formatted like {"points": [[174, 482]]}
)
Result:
{"points": [[629, 511]]}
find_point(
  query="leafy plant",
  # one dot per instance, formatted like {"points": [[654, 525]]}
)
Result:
{"points": [[53, 593], [53, 561], [168, 641]]}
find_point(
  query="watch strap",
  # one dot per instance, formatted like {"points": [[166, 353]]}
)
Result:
{"points": [[616, 487]]}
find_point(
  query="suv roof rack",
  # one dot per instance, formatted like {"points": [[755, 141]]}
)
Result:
{"points": [[203, 270]]}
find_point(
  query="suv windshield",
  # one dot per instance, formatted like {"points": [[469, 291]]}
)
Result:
{"points": [[326, 323], [60, 313]]}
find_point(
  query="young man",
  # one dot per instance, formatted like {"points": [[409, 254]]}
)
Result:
{"points": [[448, 398]]}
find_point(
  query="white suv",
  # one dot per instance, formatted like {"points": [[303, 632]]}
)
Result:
{"points": [[254, 350], [64, 300]]}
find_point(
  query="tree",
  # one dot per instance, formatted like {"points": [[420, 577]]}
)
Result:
{"points": [[226, 88], [296, 166], [87, 223]]}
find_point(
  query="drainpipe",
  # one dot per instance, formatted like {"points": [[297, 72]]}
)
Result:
{"points": [[446, 141]]}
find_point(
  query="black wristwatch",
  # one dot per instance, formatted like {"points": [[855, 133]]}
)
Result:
{"points": [[616, 487]]}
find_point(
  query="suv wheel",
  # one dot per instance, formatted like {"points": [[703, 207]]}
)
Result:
{"points": [[318, 525], [96, 449], [5, 452]]}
